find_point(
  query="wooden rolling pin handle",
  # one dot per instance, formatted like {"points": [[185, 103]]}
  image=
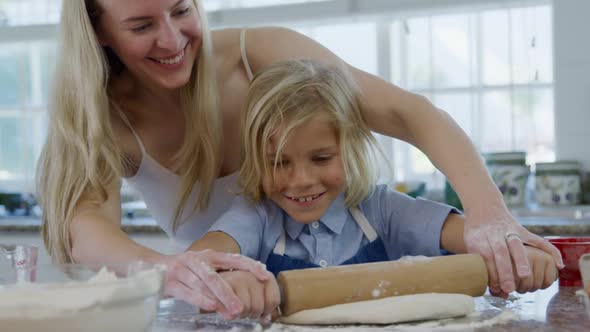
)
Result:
{"points": [[322, 287]]}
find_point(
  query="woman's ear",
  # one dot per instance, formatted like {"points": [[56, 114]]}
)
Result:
{"points": [[101, 39], [101, 36]]}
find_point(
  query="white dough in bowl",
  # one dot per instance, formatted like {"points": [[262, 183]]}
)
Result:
{"points": [[389, 310]]}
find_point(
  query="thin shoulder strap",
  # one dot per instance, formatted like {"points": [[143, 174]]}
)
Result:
{"points": [[281, 244], [364, 224], [244, 57], [128, 124]]}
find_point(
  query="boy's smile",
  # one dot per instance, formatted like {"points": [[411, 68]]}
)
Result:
{"points": [[309, 174]]}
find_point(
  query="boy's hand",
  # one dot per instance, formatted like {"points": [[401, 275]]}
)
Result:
{"points": [[191, 276], [543, 269], [259, 298]]}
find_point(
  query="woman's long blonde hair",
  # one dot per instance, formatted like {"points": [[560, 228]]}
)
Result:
{"points": [[287, 95], [81, 156]]}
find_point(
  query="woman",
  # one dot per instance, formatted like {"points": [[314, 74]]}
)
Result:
{"points": [[144, 91]]}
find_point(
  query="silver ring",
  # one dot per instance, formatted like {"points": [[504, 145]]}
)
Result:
{"points": [[510, 234]]}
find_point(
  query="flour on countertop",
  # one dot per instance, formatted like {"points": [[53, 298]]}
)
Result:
{"points": [[486, 315], [445, 325]]}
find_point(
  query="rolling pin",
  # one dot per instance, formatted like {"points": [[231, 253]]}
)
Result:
{"points": [[321, 287]]}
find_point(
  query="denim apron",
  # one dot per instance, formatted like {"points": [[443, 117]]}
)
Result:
{"points": [[374, 251]]}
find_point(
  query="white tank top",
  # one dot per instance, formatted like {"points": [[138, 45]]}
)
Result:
{"points": [[159, 188]]}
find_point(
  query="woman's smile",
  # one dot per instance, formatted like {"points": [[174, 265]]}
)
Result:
{"points": [[172, 62]]}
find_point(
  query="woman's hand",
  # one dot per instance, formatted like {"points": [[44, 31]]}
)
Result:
{"points": [[192, 277], [259, 298], [492, 232]]}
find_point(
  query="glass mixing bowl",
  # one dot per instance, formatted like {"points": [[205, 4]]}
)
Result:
{"points": [[75, 297]]}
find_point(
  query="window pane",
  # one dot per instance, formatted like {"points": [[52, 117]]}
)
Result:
{"points": [[495, 48], [410, 164], [534, 123], [396, 54], [417, 33], [21, 136], [496, 122], [354, 43], [420, 163], [520, 120], [384, 162], [28, 12], [12, 58], [25, 74], [532, 44], [451, 51], [48, 54], [10, 147], [459, 106], [418, 166], [33, 129]]}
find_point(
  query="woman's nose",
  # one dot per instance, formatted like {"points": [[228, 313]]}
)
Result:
{"points": [[168, 37]]}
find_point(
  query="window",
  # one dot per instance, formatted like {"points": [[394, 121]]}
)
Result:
{"points": [[25, 71], [490, 70]]}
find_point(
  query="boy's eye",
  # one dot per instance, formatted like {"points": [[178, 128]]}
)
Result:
{"points": [[322, 159], [279, 163]]}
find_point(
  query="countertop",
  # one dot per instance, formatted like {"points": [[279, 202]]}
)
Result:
{"points": [[551, 225], [32, 225], [552, 309]]}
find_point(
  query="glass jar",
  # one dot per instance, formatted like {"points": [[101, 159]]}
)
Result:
{"points": [[510, 173], [585, 187], [558, 183]]}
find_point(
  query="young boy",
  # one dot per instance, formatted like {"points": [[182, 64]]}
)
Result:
{"points": [[309, 194]]}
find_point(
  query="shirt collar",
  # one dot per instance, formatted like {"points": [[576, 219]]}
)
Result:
{"points": [[334, 219]]}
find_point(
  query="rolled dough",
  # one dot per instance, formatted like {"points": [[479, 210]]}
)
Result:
{"points": [[389, 310]]}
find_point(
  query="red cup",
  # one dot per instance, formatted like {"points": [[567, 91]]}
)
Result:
{"points": [[571, 248]]}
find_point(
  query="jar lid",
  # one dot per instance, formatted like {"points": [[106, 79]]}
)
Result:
{"points": [[564, 165], [514, 158]]}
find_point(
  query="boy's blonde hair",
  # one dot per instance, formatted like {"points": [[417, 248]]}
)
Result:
{"points": [[287, 95], [81, 155]]}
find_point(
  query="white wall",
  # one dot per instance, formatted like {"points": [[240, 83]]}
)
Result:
{"points": [[572, 79]]}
